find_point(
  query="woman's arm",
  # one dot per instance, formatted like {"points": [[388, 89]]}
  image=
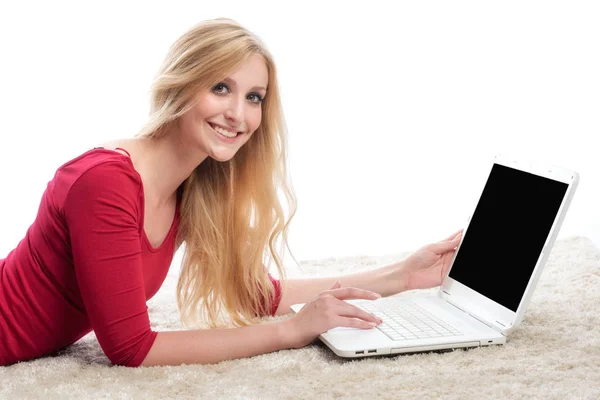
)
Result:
{"points": [[386, 281], [209, 346], [101, 211], [214, 345], [425, 268]]}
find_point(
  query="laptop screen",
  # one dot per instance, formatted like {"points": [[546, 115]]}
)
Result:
{"points": [[506, 234]]}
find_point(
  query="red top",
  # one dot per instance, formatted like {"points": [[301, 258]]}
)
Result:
{"points": [[86, 264]]}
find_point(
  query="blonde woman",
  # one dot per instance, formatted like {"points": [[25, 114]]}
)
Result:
{"points": [[205, 171]]}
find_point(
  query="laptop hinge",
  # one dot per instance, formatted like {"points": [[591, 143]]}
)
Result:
{"points": [[483, 321]]}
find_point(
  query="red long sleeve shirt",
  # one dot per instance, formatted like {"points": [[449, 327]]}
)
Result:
{"points": [[86, 264]]}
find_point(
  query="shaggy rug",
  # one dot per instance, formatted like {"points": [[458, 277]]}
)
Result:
{"points": [[553, 354]]}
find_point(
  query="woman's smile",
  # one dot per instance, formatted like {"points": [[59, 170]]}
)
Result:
{"points": [[224, 135]]}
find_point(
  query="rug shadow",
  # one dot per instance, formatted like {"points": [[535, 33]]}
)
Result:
{"points": [[329, 356], [84, 352]]}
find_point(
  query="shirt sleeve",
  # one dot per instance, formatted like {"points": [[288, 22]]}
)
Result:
{"points": [[277, 284], [101, 210]]}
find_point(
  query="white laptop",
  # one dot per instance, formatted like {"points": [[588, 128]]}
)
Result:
{"points": [[492, 277]]}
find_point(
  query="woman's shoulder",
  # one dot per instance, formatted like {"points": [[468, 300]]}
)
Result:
{"points": [[96, 170]]}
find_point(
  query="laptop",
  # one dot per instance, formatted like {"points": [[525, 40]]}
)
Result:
{"points": [[494, 272]]}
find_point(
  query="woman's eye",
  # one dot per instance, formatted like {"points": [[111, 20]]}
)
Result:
{"points": [[257, 98], [218, 88]]}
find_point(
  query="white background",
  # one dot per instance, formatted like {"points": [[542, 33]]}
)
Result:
{"points": [[394, 111]]}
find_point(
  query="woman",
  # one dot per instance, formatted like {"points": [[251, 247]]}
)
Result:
{"points": [[204, 170]]}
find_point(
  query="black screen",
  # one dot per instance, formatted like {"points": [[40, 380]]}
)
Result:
{"points": [[507, 233]]}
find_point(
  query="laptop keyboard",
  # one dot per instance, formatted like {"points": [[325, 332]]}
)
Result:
{"points": [[405, 320]]}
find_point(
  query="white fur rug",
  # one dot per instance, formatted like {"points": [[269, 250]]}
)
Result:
{"points": [[554, 354]]}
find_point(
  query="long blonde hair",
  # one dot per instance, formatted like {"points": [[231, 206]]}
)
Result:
{"points": [[230, 213]]}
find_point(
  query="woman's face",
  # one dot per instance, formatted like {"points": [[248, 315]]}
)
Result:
{"points": [[232, 107]]}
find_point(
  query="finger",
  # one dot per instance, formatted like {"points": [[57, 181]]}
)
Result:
{"points": [[454, 235], [349, 310], [443, 247], [354, 323], [347, 293]]}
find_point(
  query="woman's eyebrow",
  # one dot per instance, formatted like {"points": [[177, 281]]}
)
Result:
{"points": [[234, 84]]}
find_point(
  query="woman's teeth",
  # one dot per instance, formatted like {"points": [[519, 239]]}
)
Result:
{"points": [[224, 132]]}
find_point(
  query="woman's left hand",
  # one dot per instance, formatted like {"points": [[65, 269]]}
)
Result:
{"points": [[428, 266]]}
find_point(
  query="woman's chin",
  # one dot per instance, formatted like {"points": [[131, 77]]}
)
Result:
{"points": [[222, 156]]}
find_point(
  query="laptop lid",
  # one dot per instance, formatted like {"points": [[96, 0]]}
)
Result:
{"points": [[507, 240]]}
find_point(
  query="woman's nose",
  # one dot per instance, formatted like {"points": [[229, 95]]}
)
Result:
{"points": [[235, 111]]}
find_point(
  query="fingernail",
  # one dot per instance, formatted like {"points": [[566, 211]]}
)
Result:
{"points": [[372, 324], [377, 295]]}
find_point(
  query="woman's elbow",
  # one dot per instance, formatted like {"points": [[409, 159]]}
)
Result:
{"points": [[135, 354]]}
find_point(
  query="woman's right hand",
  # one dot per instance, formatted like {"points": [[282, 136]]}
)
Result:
{"points": [[328, 310]]}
